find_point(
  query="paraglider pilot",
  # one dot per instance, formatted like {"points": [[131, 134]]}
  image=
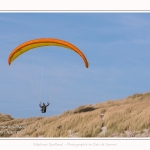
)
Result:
{"points": [[43, 107]]}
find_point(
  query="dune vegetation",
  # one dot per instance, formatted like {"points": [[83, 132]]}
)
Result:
{"points": [[128, 117]]}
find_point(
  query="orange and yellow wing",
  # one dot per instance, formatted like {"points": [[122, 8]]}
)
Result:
{"points": [[24, 47]]}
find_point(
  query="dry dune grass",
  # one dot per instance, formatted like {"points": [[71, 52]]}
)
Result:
{"points": [[4, 118], [131, 114]]}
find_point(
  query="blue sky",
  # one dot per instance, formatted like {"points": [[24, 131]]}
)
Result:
{"points": [[116, 46]]}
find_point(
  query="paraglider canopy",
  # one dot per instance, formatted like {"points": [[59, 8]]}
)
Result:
{"points": [[24, 47]]}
